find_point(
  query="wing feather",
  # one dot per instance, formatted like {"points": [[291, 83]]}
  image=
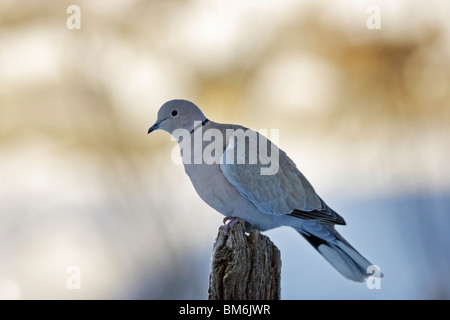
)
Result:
{"points": [[287, 191]]}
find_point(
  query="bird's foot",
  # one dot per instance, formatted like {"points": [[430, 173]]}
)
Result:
{"points": [[229, 226]]}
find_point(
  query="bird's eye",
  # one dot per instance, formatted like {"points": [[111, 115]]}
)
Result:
{"points": [[174, 113]]}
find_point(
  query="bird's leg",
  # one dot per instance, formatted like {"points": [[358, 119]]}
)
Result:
{"points": [[230, 225]]}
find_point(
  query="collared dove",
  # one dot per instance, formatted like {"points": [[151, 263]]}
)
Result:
{"points": [[236, 187]]}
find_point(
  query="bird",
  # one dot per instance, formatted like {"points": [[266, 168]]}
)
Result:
{"points": [[235, 185]]}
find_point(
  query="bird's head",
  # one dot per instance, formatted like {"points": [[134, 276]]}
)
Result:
{"points": [[177, 114]]}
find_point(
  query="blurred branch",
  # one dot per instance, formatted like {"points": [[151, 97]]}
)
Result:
{"points": [[244, 267]]}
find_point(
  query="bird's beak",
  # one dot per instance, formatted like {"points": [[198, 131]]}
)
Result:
{"points": [[154, 127]]}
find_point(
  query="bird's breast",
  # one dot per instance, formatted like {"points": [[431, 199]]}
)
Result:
{"points": [[212, 186]]}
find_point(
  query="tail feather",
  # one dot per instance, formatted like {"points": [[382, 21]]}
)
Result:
{"points": [[342, 262], [337, 251]]}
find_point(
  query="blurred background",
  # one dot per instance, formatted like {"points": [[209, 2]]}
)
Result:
{"points": [[364, 114]]}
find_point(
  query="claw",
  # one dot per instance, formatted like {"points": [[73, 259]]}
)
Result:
{"points": [[228, 218], [230, 225]]}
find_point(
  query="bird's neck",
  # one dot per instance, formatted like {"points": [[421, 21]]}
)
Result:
{"points": [[197, 124]]}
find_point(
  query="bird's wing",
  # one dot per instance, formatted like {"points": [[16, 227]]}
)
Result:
{"points": [[272, 182]]}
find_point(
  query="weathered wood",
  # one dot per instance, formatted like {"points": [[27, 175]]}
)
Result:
{"points": [[244, 267]]}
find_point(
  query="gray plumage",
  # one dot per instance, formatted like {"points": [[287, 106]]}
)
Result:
{"points": [[234, 186]]}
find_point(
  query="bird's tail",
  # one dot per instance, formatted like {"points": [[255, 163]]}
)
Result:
{"points": [[337, 251]]}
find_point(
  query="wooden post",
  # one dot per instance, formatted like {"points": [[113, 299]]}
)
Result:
{"points": [[244, 267]]}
